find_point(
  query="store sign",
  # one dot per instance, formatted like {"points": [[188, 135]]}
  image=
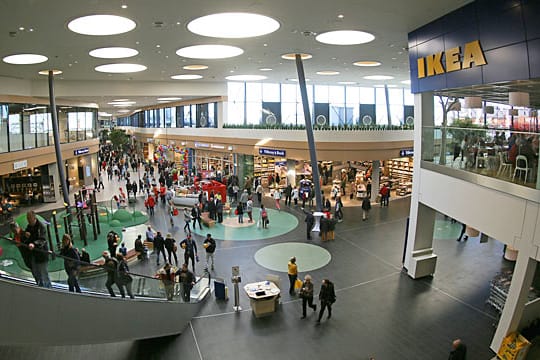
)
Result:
{"points": [[406, 153], [81, 151], [454, 60], [20, 164], [214, 146], [201, 145], [272, 152]]}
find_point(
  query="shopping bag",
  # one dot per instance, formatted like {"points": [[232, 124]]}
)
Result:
{"points": [[298, 284], [236, 212], [175, 212]]}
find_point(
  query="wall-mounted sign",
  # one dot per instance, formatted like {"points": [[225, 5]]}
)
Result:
{"points": [[453, 60], [20, 164], [272, 152], [81, 151], [406, 152], [201, 145], [214, 146]]}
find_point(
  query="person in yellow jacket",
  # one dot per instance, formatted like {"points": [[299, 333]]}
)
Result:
{"points": [[293, 274]]}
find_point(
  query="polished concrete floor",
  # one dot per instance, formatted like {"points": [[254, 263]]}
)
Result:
{"points": [[380, 312]]}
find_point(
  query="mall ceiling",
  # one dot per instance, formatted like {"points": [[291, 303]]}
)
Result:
{"points": [[40, 27]]}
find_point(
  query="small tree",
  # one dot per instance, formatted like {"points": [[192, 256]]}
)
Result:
{"points": [[448, 105], [118, 138]]}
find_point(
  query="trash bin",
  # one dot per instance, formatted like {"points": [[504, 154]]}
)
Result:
{"points": [[221, 291]]}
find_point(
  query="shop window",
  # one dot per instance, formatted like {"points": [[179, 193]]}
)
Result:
{"points": [[15, 132], [4, 114]]}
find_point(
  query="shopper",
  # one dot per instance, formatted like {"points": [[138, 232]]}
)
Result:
{"points": [[249, 209], [187, 220], [466, 237], [34, 238], [385, 194], [459, 350], [168, 278], [259, 191], [187, 280], [292, 272], [190, 251], [71, 263], [170, 246], [306, 293], [159, 247], [277, 197], [310, 221], [196, 215], [123, 279], [210, 246], [264, 218], [110, 266], [327, 297], [240, 212], [366, 206], [288, 194], [295, 196], [338, 209]]}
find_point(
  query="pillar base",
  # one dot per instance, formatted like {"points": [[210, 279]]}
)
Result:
{"points": [[422, 264]]}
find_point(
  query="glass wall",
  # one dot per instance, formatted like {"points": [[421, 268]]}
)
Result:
{"points": [[250, 104], [28, 126]]}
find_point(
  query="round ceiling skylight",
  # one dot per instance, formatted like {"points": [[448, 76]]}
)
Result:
{"points": [[209, 51], [46, 72], [100, 25], [265, 69], [345, 37], [169, 98], [113, 53], [25, 59], [121, 100], [406, 82], [246, 77], [126, 102], [328, 72], [367, 63], [120, 68], [186, 77], [195, 67], [346, 82], [296, 80], [233, 25], [378, 77], [292, 56]]}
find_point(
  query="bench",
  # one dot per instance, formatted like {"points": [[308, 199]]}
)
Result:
{"points": [[88, 270], [205, 218]]}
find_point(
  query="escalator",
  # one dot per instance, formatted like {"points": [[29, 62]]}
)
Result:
{"points": [[34, 315]]}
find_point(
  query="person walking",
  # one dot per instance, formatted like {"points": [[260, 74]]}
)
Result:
{"points": [[259, 191], [277, 197], [34, 238], [249, 209], [196, 215], [124, 279], [366, 206], [463, 229], [159, 247], [187, 280], [459, 350], [167, 277], [219, 211], [111, 267], [187, 221], [150, 204], [170, 246], [310, 221], [100, 184], [338, 212], [288, 194], [292, 272], [327, 297], [71, 263], [190, 251], [209, 245], [295, 196], [264, 218], [240, 212], [96, 184], [306, 293]]}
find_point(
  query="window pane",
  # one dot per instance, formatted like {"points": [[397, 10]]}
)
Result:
{"points": [[253, 92], [288, 113], [253, 112], [235, 91], [336, 94], [381, 114], [380, 96], [396, 111], [288, 93], [352, 95], [367, 95], [4, 115], [396, 96], [409, 97], [235, 113], [321, 94], [270, 92], [15, 133]]}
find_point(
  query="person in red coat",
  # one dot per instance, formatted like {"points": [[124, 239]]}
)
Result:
{"points": [[150, 203]]}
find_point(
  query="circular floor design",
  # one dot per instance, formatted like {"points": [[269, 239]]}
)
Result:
{"points": [[281, 222], [308, 257]]}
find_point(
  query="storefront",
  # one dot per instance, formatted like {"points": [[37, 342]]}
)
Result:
{"points": [[213, 161]]}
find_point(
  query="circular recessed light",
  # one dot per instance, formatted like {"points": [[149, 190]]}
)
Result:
{"points": [[328, 72], [46, 72], [100, 25], [120, 68], [123, 111], [265, 69], [345, 37], [246, 77], [406, 82], [296, 80], [169, 99], [367, 63], [186, 77], [292, 56], [233, 25], [122, 102], [346, 82], [113, 53], [123, 105], [209, 51], [25, 59], [378, 77], [195, 67]]}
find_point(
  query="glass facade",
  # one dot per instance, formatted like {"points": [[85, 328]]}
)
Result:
{"points": [[250, 104], [194, 115], [29, 126]]}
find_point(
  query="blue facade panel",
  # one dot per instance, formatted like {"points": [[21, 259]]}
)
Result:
{"points": [[534, 58], [506, 64]]}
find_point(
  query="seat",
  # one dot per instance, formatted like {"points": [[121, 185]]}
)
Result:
{"points": [[522, 164], [504, 165]]}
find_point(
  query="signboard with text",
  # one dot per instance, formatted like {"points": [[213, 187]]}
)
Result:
{"points": [[272, 152], [81, 151]]}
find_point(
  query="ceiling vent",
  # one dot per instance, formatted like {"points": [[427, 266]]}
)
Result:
{"points": [[158, 24]]}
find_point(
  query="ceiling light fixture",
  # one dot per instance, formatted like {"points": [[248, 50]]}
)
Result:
{"points": [[296, 80], [345, 37], [186, 77], [209, 51], [100, 25], [122, 103], [472, 102], [367, 63], [265, 69], [292, 56], [406, 82], [121, 100], [195, 67], [25, 59], [233, 25], [520, 99], [346, 82], [328, 72], [120, 68], [46, 72], [113, 53], [246, 77], [378, 77], [169, 98]]}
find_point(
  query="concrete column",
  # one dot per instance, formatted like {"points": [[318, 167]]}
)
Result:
{"points": [[419, 258], [291, 172], [375, 177], [517, 298]]}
